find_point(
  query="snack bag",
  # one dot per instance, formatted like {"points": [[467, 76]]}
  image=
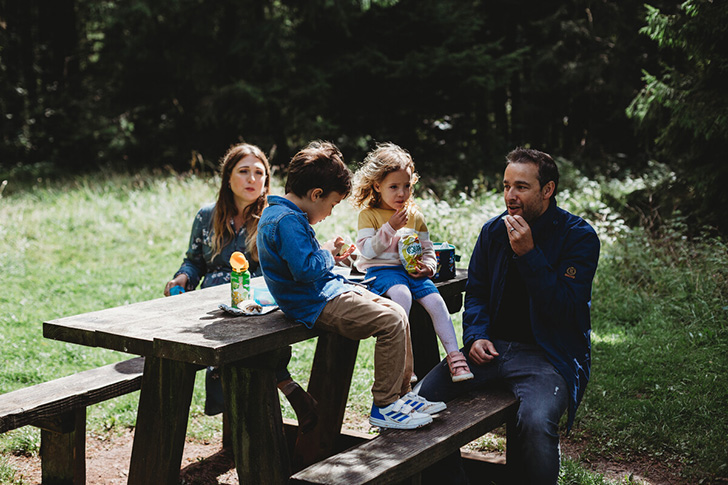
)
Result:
{"points": [[410, 252]]}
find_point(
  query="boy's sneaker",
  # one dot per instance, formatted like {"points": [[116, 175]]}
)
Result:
{"points": [[398, 415], [422, 405]]}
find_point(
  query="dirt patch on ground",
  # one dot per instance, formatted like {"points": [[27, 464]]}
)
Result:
{"points": [[107, 462], [204, 463], [641, 470]]}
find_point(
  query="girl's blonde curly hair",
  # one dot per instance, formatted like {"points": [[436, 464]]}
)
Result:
{"points": [[379, 163]]}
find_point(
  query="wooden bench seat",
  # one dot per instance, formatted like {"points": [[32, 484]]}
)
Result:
{"points": [[58, 408], [397, 455]]}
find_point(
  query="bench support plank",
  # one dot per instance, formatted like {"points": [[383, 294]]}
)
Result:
{"points": [[63, 454]]}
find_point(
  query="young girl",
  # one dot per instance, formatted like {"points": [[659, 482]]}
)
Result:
{"points": [[383, 187]]}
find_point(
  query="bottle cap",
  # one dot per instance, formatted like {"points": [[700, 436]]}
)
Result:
{"points": [[238, 262]]}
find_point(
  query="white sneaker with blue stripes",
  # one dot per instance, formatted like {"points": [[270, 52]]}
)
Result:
{"points": [[422, 405], [398, 415]]}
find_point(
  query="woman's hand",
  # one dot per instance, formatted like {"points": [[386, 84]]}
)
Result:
{"points": [[179, 280]]}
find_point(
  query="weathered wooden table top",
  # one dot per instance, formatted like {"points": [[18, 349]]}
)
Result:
{"points": [[190, 327]]}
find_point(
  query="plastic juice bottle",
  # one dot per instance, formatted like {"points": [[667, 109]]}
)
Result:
{"points": [[239, 279]]}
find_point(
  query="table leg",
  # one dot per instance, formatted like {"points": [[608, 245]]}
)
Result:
{"points": [[159, 436], [331, 373], [256, 423], [425, 349], [424, 339]]}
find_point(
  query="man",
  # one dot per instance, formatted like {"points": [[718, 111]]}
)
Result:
{"points": [[526, 322]]}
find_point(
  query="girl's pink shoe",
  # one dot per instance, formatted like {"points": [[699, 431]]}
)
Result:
{"points": [[459, 370]]}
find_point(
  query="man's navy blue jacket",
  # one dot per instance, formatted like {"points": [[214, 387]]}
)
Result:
{"points": [[558, 274]]}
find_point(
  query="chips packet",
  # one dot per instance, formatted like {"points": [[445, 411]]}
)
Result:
{"points": [[410, 252]]}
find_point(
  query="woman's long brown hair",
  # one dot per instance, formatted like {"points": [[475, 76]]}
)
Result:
{"points": [[225, 208]]}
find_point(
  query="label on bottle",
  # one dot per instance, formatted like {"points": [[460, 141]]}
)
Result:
{"points": [[240, 287]]}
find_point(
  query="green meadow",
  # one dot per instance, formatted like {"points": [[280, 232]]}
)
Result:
{"points": [[660, 308]]}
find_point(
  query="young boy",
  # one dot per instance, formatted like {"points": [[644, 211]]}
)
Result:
{"points": [[298, 272]]}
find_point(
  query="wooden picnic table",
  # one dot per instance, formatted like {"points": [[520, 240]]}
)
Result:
{"points": [[181, 334]]}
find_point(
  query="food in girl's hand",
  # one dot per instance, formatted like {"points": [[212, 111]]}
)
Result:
{"points": [[410, 252], [344, 248]]}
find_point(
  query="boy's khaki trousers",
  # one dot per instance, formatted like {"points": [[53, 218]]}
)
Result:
{"points": [[361, 314]]}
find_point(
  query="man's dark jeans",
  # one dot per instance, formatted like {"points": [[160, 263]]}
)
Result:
{"points": [[543, 397]]}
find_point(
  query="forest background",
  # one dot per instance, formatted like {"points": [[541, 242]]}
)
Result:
{"points": [[612, 86]]}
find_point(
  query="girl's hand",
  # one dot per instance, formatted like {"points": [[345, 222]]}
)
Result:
{"points": [[399, 219], [422, 271], [180, 280]]}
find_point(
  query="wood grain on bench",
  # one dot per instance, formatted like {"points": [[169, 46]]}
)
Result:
{"points": [[40, 403], [396, 455], [58, 408]]}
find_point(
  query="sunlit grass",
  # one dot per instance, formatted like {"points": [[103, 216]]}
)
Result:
{"points": [[607, 339], [8, 473]]}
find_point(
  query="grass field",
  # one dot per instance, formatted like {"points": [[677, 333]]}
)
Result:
{"points": [[660, 309]]}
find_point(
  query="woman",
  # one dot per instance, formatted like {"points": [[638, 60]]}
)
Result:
{"points": [[231, 224]]}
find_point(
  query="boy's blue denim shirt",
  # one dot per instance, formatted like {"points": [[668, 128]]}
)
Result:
{"points": [[297, 271]]}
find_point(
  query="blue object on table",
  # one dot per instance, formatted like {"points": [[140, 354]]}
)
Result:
{"points": [[262, 296], [176, 290], [446, 258]]}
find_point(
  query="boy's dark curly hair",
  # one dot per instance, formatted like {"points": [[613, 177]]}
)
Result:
{"points": [[318, 166]]}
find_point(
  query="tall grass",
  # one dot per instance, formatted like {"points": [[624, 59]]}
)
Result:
{"points": [[660, 344], [659, 309]]}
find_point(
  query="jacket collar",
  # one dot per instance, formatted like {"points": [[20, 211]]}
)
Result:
{"points": [[547, 222], [278, 200]]}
